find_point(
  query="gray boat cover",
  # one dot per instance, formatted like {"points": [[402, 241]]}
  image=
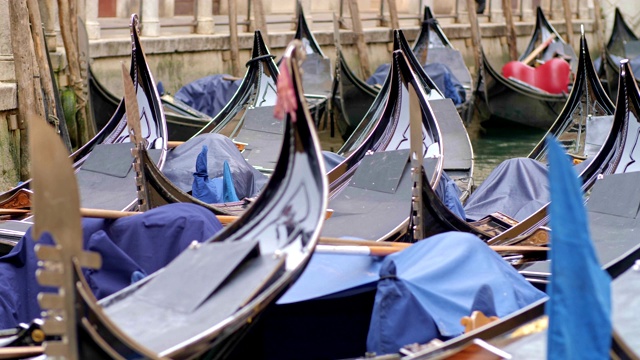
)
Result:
{"points": [[441, 75], [331, 159], [634, 62], [517, 187], [181, 164], [209, 94]]}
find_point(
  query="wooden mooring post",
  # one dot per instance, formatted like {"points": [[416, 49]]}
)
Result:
{"points": [[68, 30], [233, 37], [46, 80], [393, 14], [475, 32], [599, 29], [567, 19], [511, 30], [260, 21], [361, 44], [28, 103]]}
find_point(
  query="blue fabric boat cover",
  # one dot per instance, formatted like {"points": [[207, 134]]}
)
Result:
{"points": [[181, 164], [130, 247], [484, 301], [450, 193], [517, 187], [439, 73], [579, 306], [216, 190], [422, 292], [209, 94], [334, 275]]}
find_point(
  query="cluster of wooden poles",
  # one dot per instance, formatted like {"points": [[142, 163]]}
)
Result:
{"points": [[361, 45], [36, 94]]}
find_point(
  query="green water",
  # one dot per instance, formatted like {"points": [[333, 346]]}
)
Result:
{"points": [[495, 145]]}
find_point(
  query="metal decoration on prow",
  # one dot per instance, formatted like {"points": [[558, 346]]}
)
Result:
{"points": [[56, 205], [133, 124], [416, 155]]}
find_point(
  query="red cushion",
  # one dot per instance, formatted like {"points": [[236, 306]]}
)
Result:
{"points": [[553, 76], [520, 71]]}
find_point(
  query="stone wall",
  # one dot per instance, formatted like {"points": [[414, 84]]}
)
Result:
{"points": [[9, 134], [181, 59]]}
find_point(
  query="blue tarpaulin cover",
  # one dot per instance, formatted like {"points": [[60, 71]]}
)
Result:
{"points": [[129, 246], [209, 94], [432, 282], [439, 73], [517, 187], [450, 193], [426, 289], [181, 164], [579, 306], [216, 190]]}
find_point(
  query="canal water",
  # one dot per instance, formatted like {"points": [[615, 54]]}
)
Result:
{"points": [[494, 145]]}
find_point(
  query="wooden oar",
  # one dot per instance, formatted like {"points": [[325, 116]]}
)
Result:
{"points": [[110, 214], [14, 211], [357, 250], [114, 214], [381, 248], [174, 144], [338, 241], [20, 352], [539, 49]]}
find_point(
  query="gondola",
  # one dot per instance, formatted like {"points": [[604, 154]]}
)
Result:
{"points": [[612, 233], [458, 164], [316, 78], [104, 177], [623, 293], [155, 189], [371, 118], [349, 89], [616, 48], [105, 181], [182, 120], [433, 43], [359, 194], [351, 98], [260, 256], [247, 115], [501, 100], [158, 190], [258, 89], [587, 100]]}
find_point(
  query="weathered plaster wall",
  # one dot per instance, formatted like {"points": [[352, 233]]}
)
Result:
{"points": [[178, 60]]}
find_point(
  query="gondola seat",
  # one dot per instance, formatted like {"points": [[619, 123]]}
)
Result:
{"points": [[553, 76]]}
